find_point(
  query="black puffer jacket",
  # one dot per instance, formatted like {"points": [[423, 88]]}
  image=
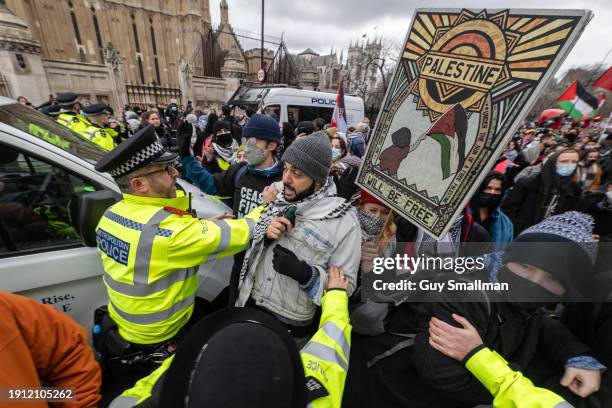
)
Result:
{"points": [[420, 376], [526, 204]]}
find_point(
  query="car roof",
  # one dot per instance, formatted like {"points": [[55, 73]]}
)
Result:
{"points": [[6, 101]]}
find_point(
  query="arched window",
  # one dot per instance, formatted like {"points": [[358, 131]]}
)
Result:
{"points": [[140, 69], [135, 31], [154, 44], [75, 25], [98, 35]]}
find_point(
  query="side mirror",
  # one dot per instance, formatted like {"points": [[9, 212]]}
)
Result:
{"points": [[87, 209]]}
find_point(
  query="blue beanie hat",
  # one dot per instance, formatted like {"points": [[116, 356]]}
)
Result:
{"points": [[262, 127]]}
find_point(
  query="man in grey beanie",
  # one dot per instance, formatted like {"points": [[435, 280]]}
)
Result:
{"points": [[307, 230]]}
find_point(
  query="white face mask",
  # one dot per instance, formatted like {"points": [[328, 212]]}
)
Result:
{"points": [[609, 195]]}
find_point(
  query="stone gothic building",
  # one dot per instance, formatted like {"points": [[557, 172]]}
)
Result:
{"points": [[322, 72], [117, 51], [362, 67]]}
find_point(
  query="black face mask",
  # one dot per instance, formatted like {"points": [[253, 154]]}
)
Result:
{"points": [[525, 294], [488, 200], [224, 140]]}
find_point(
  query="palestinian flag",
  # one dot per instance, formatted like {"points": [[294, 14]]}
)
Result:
{"points": [[339, 115], [576, 101], [450, 131]]}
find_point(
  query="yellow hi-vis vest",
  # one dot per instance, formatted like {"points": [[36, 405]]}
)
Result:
{"points": [[99, 137], [151, 257], [508, 387], [325, 358], [75, 122]]}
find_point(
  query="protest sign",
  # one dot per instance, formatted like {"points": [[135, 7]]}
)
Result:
{"points": [[464, 82]]}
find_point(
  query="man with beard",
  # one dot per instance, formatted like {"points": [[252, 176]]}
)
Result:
{"points": [[544, 265], [151, 246], [307, 230]]}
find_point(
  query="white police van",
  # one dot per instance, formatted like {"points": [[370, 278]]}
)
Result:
{"points": [[296, 105], [51, 199]]}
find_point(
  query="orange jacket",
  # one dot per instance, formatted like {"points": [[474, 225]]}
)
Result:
{"points": [[39, 343]]}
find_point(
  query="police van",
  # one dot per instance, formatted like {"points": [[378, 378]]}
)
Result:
{"points": [[51, 199], [296, 105]]}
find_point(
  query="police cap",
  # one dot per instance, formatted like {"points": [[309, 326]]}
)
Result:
{"points": [[68, 98], [51, 110], [229, 357], [95, 109], [138, 151]]}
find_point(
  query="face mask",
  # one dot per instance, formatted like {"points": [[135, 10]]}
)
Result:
{"points": [[525, 294], [224, 140], [489, 200], [565, 170], [370, 224], [254, 155], [336, 153], [609, 196]]}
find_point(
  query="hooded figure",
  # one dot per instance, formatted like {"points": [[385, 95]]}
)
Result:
{"points": [[553, 191], [484, 206], [400, 368]]}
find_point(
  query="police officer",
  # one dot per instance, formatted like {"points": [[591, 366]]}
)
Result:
{"points": [[113, 128], [242, 357], [52, 110], [97, 114], [70, 115], [151, 246]]}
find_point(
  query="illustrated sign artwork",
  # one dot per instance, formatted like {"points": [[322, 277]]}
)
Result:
{"points": [[464, 82]]}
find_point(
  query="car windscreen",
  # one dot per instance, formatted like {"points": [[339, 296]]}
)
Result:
{"points": [[43, 127]]}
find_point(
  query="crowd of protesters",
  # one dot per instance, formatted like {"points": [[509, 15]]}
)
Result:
{"points": [[320, 232]]}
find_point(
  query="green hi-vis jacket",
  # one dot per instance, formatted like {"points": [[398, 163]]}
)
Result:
{"points": [[151, 249], [325, 359], [508, 387], [100, 137]]}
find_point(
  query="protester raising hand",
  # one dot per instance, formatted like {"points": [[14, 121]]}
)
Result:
{"points": [[336, 279], [454, 342]]}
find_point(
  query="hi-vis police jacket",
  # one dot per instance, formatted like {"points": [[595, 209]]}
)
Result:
{"points": [[325, 359], [508, 387], [100, 137], [151, 253], [73, 121]]}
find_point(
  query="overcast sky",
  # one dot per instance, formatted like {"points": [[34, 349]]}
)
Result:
{"points": [[322, 24]]}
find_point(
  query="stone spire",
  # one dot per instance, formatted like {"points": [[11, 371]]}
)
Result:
{"points": [[224, 12]]}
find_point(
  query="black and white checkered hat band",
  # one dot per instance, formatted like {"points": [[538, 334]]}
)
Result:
{"points": [[147, 154]]}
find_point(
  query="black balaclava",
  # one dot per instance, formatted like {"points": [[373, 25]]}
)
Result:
{"points": [[490, 201]]}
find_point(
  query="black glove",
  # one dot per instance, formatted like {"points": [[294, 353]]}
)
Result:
{"points": [[345, 182], [183, 135], [286, 263]]}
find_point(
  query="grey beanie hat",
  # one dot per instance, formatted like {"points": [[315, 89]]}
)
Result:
{"points": [[312, 154]]}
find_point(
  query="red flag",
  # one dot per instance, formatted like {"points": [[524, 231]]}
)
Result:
{"points": [[605, 81], [339, 115]]}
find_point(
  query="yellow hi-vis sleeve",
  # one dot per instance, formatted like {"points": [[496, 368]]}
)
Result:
{"points": [[142, 389], [326, 356], [196, 239], [510, 388]]}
